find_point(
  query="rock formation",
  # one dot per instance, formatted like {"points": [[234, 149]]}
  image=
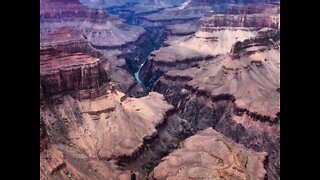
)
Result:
{"points": [[96, 133], [86, 124], [84, 137], [63, 72], [67, 162], [104, 31], [226, 75], [55, 14], [210, 155], [173, 90], [252, 79]]}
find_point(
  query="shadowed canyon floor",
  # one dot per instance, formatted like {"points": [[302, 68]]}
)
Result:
{"points": [[206, 104]]}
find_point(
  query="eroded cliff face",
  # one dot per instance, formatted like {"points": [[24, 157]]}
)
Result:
{"points": [[234, 65], [86, 124], [106, 32], [90, 125], [63, 72], [56, 14], [88, 137], [68, 162], [68, 64], [100, 29], [210, 155]]}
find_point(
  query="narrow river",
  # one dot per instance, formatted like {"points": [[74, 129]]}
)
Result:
{"points": [[137, 74]]}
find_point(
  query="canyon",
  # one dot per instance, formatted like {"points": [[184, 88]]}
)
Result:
{"points": [[160, 89]]}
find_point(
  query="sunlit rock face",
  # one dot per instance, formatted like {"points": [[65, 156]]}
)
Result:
{"points": [[210, 155], [89, 136], [63, 72], [250, 73]]}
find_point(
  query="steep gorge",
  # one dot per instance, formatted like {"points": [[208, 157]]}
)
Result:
{"points": [[92, 130], [198, 105]]}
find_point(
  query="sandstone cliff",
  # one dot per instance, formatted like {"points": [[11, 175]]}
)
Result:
{"points": [[62, 72]]}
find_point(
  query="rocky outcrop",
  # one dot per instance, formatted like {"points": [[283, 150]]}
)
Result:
{"points": [[55, 14], [69, 41], [106, 129], [67, 162], [266, 38], [256, 65], [74, 73], [183, 29], [51, 161], [251, 8], [69, 65], [242, 20], [200, 110], [210, 155], [173, 16], [236, 91], [239, 7], [104, 31], [262, 76]]}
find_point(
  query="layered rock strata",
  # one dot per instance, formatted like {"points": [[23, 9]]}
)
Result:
{"points": [[55, 14], [67, 162], [252, 80], [96, 133], [210, 155], [235, 65], [242, 20], [70, 41], [104, 31], [171, 16], [224, 75], [60, 72], [98, 27]]}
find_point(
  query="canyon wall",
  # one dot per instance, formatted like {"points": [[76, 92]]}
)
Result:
{"points": [[209, 90], [226, 76]]}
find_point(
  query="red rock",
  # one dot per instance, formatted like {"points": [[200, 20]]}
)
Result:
{"points": [[64, 72]]}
